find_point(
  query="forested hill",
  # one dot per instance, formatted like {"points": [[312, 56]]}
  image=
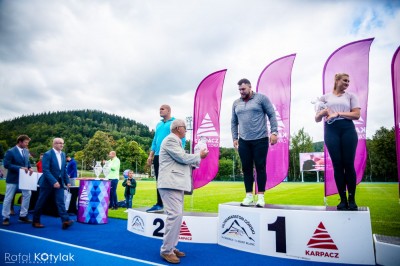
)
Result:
{"points": [[76, 127]]}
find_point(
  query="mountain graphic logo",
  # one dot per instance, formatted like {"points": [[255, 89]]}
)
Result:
{"points": [[184, 230], [207, 128], [237, 230], [84, 197], [281, 125], [360, 121], [321, 239], [137, 223]]}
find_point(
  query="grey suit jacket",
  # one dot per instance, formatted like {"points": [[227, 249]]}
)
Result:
{"points": [[175, 170]]}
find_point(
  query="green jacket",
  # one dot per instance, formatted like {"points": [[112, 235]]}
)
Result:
{"points": [[114, 168], [131, 189]]}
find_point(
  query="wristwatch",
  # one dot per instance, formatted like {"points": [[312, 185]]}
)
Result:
{"points": [[274, 133]]}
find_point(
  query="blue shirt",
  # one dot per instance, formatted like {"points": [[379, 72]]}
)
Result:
{"points": [[162, 130]]}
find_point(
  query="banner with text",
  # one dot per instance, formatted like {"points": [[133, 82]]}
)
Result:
{"points": [[275, 83], [206, 125], [353, 59]]}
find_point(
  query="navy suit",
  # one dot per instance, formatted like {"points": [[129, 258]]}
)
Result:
{"points": [[52, 173], [13, 162]]}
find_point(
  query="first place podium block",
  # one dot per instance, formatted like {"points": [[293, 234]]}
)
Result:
{"points": [[298, 232]]}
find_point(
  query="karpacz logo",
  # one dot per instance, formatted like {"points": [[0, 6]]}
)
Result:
{"points": [[208, 130], [322, 240], [137, 224], [185, 234], [239, 230]]}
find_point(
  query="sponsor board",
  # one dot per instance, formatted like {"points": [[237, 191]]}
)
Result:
{"points": [[239, 229]]}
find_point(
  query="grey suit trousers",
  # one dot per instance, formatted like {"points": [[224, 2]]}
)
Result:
{"points": [[173, 206]]}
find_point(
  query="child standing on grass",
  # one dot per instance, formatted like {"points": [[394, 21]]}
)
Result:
{"points": [[130, 189]]}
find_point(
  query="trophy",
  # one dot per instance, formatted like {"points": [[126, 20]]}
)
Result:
{"points": [[97, 169], [106, 168], [319, 105]]}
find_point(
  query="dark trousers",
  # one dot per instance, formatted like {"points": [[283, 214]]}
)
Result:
{"points": [[113, 193], [43, 197], [254, 152], [341, 141], [156, 162]]}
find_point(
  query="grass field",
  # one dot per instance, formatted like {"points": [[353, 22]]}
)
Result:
{"points": [[381, 198]]}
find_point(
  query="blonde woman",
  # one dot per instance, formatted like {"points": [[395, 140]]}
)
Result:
{"points": [[341, 137]]}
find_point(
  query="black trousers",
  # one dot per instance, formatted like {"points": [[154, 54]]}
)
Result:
{"points": [[254, 153], [341, 141], [156, 162]]}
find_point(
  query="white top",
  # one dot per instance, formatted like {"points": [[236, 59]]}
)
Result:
{"points": [[342, 103]]}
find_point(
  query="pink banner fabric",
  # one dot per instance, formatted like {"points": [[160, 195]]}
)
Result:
{"points": [[353, 59], [275, 83], [206, 125], [396, 105]]}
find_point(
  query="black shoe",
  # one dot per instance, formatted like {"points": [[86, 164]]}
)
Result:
{"points": [[24, 219], [352, 205], [343, 205]]}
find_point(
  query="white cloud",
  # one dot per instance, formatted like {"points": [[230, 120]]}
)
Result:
{"points": [[129, 57]]}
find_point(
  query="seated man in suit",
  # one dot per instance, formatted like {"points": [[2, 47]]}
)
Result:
{"points": [[55, 178], [15, 159], [174, 178]]}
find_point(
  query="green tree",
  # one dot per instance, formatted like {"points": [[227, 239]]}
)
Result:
{"points": [[225, 170], [3, 148], [98, 148], [131, 155], [299, 142], [381, 163]]}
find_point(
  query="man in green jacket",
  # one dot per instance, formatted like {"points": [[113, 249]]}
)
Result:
{"points": [[114, 177]]}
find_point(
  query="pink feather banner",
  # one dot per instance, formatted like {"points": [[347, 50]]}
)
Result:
{"points": [[206, 125], [396, 105], [353, 59], [275, 83]]}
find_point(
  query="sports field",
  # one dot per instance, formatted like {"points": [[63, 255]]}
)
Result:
{"points": [[381, 198]]}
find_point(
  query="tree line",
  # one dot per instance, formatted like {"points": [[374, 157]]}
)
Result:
{"points": [[89, 135]]}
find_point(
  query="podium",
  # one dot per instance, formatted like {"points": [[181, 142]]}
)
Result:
{"points": [[93, 200], [309, 233], [196, 227]]}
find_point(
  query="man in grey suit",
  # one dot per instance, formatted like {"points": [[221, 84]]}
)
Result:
{"points": [[174, 178], [54, 178], [15, 159]]}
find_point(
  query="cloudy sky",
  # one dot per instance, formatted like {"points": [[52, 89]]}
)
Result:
{"points": [[127, 57]]}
